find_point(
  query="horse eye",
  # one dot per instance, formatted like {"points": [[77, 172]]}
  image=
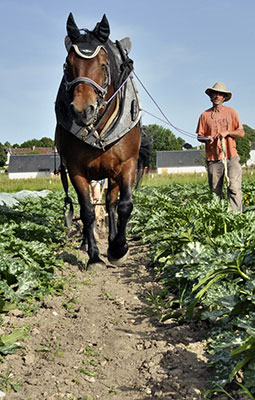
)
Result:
{"points": [[69, 61]]}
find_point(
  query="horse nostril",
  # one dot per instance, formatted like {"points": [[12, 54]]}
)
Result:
{"points": [[84, 117], [88, 112]]}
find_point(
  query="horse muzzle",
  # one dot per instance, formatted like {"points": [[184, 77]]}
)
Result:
{"points": [[85, 117]]}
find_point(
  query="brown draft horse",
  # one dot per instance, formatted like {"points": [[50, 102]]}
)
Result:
{"points": [[98, 131]]}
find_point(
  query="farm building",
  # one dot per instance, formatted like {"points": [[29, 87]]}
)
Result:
{"points": [[251, 161], [33, 165], [181, 161], [28, 150]]}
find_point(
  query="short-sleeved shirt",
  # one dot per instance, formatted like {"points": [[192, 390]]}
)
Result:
{"points": [[216, 121]]}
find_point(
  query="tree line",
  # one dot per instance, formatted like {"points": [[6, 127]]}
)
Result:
{"points": [[160, 139], [163, 139], [44, 142]]}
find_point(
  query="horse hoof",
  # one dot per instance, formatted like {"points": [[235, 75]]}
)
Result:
{"points": [[117, 261], [97, 266]]}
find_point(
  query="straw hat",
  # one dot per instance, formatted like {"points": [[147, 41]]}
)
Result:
{"points": [[219, 87]]}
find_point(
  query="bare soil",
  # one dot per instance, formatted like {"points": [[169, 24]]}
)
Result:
{"points": [[99, 339]]}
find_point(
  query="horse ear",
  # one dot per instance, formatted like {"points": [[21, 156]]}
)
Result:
{"points": [[102, 29], [72, 29]]}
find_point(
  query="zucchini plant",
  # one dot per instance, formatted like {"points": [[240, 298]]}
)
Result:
{"points": [[204, 254]]}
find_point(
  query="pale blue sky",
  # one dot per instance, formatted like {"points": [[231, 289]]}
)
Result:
{"points": [[179, 49]]}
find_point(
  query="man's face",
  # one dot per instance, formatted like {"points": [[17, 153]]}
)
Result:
{"points": [[217, 98]]}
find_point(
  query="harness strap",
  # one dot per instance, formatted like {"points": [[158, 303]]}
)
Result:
{"points": [[101, 90], [87, 81], [224, 159], [112, 117], [68, 201]]}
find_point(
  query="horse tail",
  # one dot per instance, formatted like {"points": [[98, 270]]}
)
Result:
{"points": [[143, 162]]}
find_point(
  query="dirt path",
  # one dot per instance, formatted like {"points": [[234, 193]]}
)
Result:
{"points": [[100, 340]]}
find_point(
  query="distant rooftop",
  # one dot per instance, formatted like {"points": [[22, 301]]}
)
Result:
{"points": [[34, 163], [29, 150], [180, 158]]}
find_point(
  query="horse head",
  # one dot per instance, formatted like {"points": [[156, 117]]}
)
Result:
{"points": [[87, 72]]}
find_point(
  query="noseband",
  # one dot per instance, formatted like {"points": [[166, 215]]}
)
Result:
{"points": [[100, 90]]}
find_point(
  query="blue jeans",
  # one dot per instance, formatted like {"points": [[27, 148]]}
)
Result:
{"points": [[216, 173]]}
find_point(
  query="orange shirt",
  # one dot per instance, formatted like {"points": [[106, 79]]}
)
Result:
{"points": [[212, 122]]}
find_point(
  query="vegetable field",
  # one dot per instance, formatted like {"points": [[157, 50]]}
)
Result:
{"points": [[30, 235], [204, 255]]}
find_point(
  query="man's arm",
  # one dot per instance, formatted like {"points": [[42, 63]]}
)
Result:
{"points": [[235, 134], [204, 139], [201, 131], [238, 130]]}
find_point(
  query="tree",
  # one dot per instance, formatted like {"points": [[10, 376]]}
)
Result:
{"points": [[30, 143], [243, 147], [3, 155], [44, 142], [161, 139], [249, 132]]}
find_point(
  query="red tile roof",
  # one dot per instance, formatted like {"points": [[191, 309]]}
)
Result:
{"points": [[34, 150]]}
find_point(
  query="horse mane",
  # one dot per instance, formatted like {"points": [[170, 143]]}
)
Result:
{"points": [[115, 72], [143, 161]]}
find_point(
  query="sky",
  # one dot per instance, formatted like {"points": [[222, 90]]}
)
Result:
{"points": [[179, 48]]}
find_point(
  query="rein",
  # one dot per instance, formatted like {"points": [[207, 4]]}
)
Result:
{"points": [[166, 120], [224, 158], [117, 91]]}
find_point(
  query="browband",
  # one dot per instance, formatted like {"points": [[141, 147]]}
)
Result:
{"points": [[86, 52]]}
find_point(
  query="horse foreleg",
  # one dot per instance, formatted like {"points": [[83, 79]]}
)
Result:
{"points": [[118, 247], [111, 205], [87, 214]]}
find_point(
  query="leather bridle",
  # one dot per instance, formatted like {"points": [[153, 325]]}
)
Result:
{"points": [[100, 90]]}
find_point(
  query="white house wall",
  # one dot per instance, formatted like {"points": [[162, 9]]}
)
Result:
{"points": [[251, 161], [29, 175], [181, 170]]}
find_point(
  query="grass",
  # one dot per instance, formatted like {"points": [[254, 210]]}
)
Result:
{"points": [[54, 183], [155, 179], [6, 382], [152, 179], [16, 185]]}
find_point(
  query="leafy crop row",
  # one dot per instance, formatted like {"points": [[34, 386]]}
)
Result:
{"points": [[29, 234], [204, 254]]}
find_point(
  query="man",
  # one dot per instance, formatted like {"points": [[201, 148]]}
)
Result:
{"points": [[218, 127]]}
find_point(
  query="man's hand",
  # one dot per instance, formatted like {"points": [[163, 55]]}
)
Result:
{"points": [[224, 134], [204, 139]]}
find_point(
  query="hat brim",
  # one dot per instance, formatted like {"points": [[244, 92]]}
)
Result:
{"points": [[228, 95]]}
